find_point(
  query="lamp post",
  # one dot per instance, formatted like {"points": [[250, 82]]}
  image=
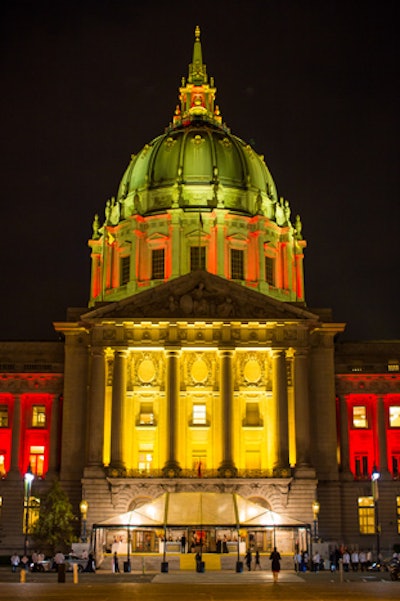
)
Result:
{"points": [[28, 479], [375, 495], [83, 507], [315, 508]]}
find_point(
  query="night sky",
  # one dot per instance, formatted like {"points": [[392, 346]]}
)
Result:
{"points": [[313, 85]]}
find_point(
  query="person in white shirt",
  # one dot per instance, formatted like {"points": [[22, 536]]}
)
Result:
{"points": [[346, 560], [354, 561]]}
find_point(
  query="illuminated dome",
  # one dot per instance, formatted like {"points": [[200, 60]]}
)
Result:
{"points": [[197, 162], [194, 166], [197, 197]]}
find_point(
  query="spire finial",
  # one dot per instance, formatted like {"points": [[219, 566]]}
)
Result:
{"points": [[197, 33]]}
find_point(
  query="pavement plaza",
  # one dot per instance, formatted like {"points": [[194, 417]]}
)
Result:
{"points": [[208, 586]]}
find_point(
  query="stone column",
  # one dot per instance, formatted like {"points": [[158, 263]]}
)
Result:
{"points": [[280, 400], [227, 468], [117, 411], [302, 408], [344, 439], [54, 436], [381, 431], [96, 407], [172, 467], [16, 439]]}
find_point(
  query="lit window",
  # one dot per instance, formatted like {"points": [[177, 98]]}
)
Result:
{"points": [[3, 416], [270, 271], [145, 460], [360, 417], [38, 416], [393, 366], [146, 416], [36, 459], [199, 414], [197, 258], [237, 264], [366, 515], [394, 416], [125, 270], [398, 514], [2, 463], [361, 466], [157, 264]]}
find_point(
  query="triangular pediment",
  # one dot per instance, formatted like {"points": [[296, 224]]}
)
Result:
{"points": [[200, 295]]}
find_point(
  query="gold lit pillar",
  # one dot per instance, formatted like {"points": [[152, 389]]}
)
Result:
{"points": [[96, 407], [227, 468], [381, 431], [280, 400], [117, 411], [171, 467], [302, 408]]}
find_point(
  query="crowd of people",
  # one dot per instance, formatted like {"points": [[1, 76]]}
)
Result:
{"points": [[36, 562]]}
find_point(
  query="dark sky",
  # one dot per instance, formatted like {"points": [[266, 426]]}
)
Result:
{"points": [[313, 84]]}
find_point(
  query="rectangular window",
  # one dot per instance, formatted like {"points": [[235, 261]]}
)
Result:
{"points": [[199, 414], [398, 514], [237, 264], [38, 416], [197, 258], [366, 515], [361, 466], [252, 414], [393, 366], [394, 416], [3, 416], [36, 459], [270, 271], [360, 419], [125, 270], [146, 416], [145, 460], [157, 264]]}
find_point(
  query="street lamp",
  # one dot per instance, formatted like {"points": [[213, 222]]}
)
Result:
{"points": [[315, 508], [375, 495], [83, 507], [28, 479]]}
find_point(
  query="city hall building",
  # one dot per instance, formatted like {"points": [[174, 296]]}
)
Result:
{"points": [[197, 383]]}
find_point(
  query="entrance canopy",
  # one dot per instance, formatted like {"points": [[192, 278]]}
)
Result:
{"points": [[200, 509]]}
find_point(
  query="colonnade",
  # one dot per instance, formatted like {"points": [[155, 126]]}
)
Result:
{"points": [[278, 428]]}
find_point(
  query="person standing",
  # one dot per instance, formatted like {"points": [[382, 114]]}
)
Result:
{"points": [[183, 544], [115, 563], [257, 560], [14, 561], [276, 564], [248, 559]]}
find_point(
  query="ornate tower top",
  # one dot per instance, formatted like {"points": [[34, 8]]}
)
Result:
{"points": [[196, 95]]}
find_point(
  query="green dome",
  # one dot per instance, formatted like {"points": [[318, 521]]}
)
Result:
{"points": [[197, 165]]}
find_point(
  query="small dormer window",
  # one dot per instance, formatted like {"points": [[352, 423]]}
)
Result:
{"points": [[157, 264], [237, 264]]}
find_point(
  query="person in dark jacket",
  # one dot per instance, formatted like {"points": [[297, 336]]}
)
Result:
{"points": [[276, 564]]}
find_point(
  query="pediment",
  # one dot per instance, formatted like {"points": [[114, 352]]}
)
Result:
{"points": [[200, 295]]}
